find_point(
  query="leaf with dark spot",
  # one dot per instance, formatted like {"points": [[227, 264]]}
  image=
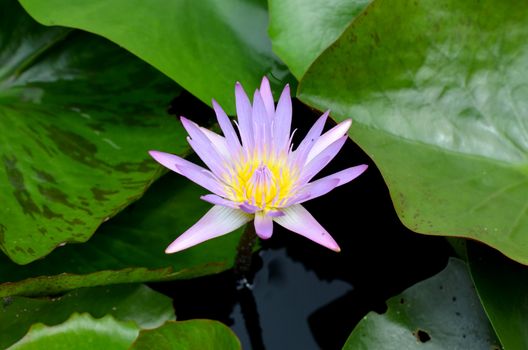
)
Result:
{"points": [[78, 115]]}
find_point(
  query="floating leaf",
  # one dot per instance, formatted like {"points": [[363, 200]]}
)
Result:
{"points": [[130, 247], [442, 312], [193, 334], [78, 115], [301, 30], [502, 286], [437, 90], [205, 46], [138, 303], [80, 332]]}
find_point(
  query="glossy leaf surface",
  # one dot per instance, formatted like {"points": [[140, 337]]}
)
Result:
{"points": [[130, 247], [442, 312], [205, 46], [301, 30], [77, 117], [502, 286], [128, 302], [192, 334], [81, 332], [438, 94]]}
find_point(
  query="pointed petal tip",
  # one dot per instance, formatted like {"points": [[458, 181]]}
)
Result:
{"points": [[172, 248]]}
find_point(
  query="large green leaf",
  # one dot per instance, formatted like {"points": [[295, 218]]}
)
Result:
{"points": [[80, 332], [502, 286], [301, 30], [442, 312], [437, 90], [77, 116], [138, 303], [193, 334], [205, 46], [130, 247]]}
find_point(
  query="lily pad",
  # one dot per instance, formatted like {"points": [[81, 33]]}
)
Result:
{"points": [[438, 94], [502, 286], [192, 334], [442, 312], [130, 247], [301, 30], [137, 303], [78, 115], [81, 332], [205, 46]]}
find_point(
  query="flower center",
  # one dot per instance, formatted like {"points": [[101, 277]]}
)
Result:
{"points": [[266, 185]]}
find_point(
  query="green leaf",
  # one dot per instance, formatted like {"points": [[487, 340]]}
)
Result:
{"points": [[78, 115], [137, 303], [442, 312], [301, 30], [130, 247], [205, 46], [80, 332], [502, 286], [437, 90], [193, 334]]}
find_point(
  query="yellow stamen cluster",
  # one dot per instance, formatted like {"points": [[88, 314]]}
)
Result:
{"points": [[264, 183]]}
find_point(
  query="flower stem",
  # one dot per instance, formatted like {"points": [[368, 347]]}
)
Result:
{"points": [[244, 253]]}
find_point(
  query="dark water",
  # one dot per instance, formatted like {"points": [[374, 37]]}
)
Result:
{"points": [[305, 296]]}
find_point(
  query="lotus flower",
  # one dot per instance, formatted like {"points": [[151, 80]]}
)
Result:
{"points": [[259, 176]]}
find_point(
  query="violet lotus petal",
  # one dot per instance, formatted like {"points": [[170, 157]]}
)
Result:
{"points": [[218, 141], [328, 138], [326, 184], [217, 200], [218, 221], [283, 120], [299, 220], [267, 98], [263, 225], [309, 140], [203, 147], [261, 125], [321, 160], [313, 190], [248, 208], [275, 213], [226, 126], [243, 108], [193, 172]]}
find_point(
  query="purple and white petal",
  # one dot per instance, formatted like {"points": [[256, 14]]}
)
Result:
{"points": [[218, 221], [309, 140], [203, 147], [248, 208], [261, 125], [263, 225], [313, 190], [193, 172], [267, 98], [243, 108], [283, 120], [328, 138], [219, 142], [299, 220], [217, 200], [321, 160], [326, 184], [274, 213], [227, 127]]}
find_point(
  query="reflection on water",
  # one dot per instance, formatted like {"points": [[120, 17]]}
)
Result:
{"points": [[286, 294]]}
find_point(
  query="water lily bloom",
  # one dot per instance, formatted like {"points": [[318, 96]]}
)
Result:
{"points": [[259, 176]]}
